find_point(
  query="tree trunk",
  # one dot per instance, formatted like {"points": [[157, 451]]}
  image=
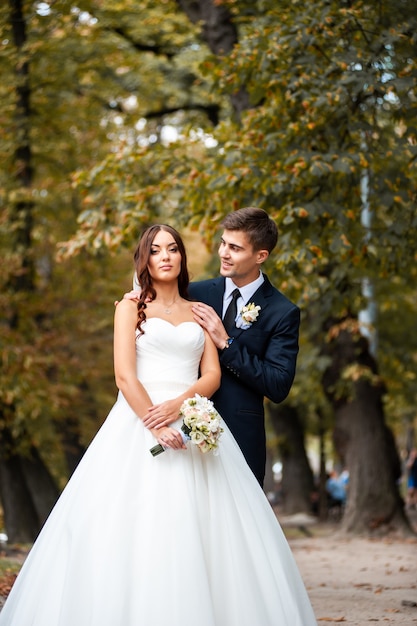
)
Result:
{"points": [[27, 490], [20, 519], [219, 33], [297, 477], [321, 496], [365, 444], [69, 434]]}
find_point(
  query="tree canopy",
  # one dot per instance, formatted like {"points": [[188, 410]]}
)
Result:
{"points": [[327, 146]]}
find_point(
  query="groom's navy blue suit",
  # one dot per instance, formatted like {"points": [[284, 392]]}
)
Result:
{"points": [[259, 363]]}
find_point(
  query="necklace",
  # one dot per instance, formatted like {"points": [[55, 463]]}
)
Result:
{"points": [[167, 308]]}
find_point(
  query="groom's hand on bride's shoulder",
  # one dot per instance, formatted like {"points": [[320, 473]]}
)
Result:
{"points": [[130, 295]]}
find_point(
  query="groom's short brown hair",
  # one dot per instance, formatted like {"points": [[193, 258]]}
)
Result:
{"points": [[261, 230]]}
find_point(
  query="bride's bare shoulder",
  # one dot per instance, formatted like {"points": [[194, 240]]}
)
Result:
{"points": [[126, 308], [187, 306]]}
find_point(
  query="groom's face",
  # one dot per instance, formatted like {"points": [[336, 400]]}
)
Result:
{"points": [[238, 260]]}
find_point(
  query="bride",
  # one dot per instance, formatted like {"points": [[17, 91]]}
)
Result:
{"points": [[176, 539]]}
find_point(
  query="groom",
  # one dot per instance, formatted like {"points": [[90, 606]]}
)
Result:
{"points": [[258, 347]]}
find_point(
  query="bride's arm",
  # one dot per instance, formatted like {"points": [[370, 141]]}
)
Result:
{"points": [[210, 373], [124, 351], [167, 412], [125, 371]]}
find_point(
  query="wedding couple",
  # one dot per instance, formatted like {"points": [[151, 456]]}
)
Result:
{"points": [[184, 537], [257, 357]]}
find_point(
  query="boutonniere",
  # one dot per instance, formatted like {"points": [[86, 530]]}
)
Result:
{"points": [[248, 315]]}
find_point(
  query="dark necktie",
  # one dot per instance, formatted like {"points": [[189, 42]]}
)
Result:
{"points": [[231, 312]]}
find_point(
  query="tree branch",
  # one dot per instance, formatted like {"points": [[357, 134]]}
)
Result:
{"points": [[142, 47]]}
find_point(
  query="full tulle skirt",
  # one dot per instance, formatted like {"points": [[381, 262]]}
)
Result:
{"points": [[180, 539]]}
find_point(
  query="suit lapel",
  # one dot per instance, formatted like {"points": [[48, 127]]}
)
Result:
{"points": [[261, 295]]}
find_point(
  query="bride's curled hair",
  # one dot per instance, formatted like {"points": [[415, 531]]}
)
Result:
{"points": [[141, 258]]}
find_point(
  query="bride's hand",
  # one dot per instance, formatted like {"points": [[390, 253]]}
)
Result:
{"points": [[162, 414], [169, 438]]}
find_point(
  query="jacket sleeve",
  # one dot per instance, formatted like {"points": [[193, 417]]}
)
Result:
{"points": [[270, 369]]}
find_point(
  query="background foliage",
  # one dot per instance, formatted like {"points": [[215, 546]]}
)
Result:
{"points": [[133, 119]]}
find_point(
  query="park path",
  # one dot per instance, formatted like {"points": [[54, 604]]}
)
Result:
{"points": [[358, 581]]}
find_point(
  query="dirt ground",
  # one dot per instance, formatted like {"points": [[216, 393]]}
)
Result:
{"points": [[354, 581], [357, 581]]}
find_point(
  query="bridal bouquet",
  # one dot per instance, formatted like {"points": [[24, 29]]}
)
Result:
{"points": [[201, 424]]}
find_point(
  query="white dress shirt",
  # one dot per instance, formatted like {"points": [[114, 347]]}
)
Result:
{"points": [[246, 292]]}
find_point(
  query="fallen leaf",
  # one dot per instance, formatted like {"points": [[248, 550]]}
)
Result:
{"points": [[6, 583]]}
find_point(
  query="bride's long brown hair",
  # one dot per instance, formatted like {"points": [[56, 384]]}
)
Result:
{"points": [[141, 258]]}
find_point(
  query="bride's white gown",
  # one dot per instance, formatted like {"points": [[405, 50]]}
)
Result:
{"points": [[179, 539]]}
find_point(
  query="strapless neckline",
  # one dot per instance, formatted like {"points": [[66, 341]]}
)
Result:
{"points": [[161, 319]]}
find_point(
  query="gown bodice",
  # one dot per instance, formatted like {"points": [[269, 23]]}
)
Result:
{"points": [[168, 356]]}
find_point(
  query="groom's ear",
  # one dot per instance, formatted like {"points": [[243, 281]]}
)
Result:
{"points": [[261, 256]]}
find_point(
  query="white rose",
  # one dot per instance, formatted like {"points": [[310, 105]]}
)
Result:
{"points": [[248, 315]]}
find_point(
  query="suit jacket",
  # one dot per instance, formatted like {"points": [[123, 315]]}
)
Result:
{"points": [[259, 363]]}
